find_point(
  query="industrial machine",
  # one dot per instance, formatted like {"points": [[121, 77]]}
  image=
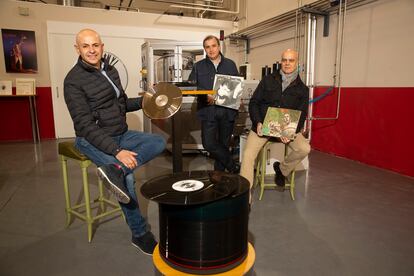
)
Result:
{"points": [[172, 62]]}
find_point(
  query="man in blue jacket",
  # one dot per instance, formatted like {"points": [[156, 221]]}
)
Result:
{"points": [[98, 105], [217, 122]]}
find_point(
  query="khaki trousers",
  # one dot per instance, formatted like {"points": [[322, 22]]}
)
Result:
{"points": [[299, 149]]}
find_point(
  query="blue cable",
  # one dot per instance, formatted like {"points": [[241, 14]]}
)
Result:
{"points": [[323, 95]]}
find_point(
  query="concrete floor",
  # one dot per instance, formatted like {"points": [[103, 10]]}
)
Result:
{"points": [[348, 219]]}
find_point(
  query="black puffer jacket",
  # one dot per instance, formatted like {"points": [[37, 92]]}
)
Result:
{"points": [[96, 111], [269, 93]]}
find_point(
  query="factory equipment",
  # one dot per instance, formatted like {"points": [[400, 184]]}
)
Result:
{"points": [[172, 62]]}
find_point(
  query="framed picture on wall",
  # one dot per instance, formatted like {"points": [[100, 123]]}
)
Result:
{"points": [[25, 86], [19, 48]]}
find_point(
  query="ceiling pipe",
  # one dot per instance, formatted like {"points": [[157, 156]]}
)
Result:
{"points": [[268, 23], [290, 16], [121, 8], [338, 58], [295, 43], [201, 13], [310, 66], [129, 4], [212, 1], [188, 4], [120, 4], [237, 11]]}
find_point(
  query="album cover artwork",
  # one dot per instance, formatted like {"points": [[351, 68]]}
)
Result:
{"points": [[228, 90], [281, 122]]}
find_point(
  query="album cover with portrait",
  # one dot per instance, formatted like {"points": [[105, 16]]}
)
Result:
{"points": [[281, 122], [228, 90]]}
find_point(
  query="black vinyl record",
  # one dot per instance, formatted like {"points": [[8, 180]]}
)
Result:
{"points": [[203, 219], [190, 188]]}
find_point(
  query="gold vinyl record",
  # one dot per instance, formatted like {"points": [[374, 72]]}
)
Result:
{"points": [[162, 101]]}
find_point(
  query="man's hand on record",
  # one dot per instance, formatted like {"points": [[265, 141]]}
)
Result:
{"points": [[259, 129], [284, 140], [210, 99]]}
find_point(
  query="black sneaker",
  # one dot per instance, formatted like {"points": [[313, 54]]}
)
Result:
{"points": [[279, 178], [113, 177], [146, 243]]}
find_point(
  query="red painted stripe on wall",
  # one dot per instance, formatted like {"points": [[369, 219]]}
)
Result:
{"points": [[15, 116], [375, 126]]}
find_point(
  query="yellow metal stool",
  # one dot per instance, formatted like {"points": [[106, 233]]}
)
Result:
{"points": [[68, 151], [262, 158]]}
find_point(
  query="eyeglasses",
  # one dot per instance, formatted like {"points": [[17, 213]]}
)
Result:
{"points": [[285, 60]]}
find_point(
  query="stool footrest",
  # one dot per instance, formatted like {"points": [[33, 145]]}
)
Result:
{"points": [[107, 213], [111, 203], [77, 214], [73, 210], [261, 177]]}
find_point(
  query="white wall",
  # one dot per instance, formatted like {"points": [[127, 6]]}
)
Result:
{"points": [[265, 50], [261, 10], [378, 44]]}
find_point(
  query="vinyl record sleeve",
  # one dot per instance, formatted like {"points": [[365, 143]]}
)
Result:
{"points": [[281, 122], [228, 90]]}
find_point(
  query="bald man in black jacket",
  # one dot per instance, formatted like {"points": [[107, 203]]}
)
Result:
{"points": [[98, 105], [282, 89]]}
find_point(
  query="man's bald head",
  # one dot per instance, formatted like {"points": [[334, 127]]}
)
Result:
{"points": [[290, 51], [90, 47], [87, 32], [289, 61]]}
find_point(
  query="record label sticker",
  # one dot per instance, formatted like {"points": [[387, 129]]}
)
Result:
{"points": [[188, 185]]}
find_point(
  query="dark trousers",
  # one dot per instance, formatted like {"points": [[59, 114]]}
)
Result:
{"points": [[216, 133]]}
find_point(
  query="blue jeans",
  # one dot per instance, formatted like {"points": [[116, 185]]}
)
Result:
{"points": [[216, 133], [147, 146]]}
